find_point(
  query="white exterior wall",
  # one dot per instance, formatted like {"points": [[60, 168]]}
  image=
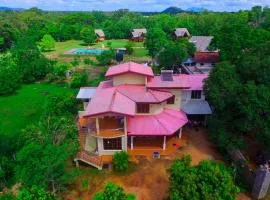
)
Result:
{"points": [[186, 96], [129, 78]]}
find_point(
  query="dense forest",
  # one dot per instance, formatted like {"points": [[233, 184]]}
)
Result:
{"points": [[238, 87]]}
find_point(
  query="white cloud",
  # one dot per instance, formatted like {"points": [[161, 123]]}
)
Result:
{"points": [[142, 5]]}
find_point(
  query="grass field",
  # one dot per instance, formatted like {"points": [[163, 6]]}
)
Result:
{"points": [[62, 47], [25, 107]]}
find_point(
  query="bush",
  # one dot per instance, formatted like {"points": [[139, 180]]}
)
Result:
{"points": [[112, 192], [88, 61], [34, 192], [106, 57], [79, 80], [120, 161], [129, 48], [76, 61], [59, 72], [95, 82], [61, 104]]}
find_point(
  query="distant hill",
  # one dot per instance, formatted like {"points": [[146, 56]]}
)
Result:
{"points": [[175, 10], [172, 10], [8, 8]]}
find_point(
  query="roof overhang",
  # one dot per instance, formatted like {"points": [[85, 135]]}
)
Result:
{"points": [[197, 107]]}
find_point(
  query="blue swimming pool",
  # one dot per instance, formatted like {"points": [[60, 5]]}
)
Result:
{"points": [[88, 51]]}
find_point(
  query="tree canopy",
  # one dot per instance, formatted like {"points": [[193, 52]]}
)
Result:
{"points": [[206, 181]]}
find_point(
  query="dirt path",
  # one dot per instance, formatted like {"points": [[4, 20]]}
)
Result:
{"points": [[150, 179]]}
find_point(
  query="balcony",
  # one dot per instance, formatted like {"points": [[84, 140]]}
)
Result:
{"points": [[108, 127]]}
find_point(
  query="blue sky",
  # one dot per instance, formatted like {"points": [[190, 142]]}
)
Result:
{"points": [[134, 5]]}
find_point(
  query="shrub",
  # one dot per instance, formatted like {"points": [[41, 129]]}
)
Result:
{"points": [[35, 192], [58, 73], [79, 80], [76, 61], [113, 191], [129, 48], [106, 57], [120, 161]]}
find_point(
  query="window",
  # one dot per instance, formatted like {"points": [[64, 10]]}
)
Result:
{"points": [[171, 100], [142, 108], [202, 64], [112, 144], [196, 94]]}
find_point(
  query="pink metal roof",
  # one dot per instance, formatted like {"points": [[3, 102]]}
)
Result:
{"points": [[109, 100], [129, 67], [181, 81], [165, 123], [140, 94]]}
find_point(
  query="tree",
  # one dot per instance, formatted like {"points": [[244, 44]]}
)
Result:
{"points": [[35, 192], [113, 192], [79, 80], [59, 72], [88, 35], [172, 56], [10, 78], [47, 43], [208, 180], [155, 41], [31, 63], [106, 57], [120, 161]]}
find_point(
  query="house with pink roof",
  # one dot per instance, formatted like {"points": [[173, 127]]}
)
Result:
{"points": [[135, 110]]}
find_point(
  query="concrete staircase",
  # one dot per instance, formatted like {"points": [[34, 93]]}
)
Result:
{"points": [[93, 160]]}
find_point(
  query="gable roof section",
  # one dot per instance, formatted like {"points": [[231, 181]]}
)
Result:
{"points": [[137, 32], [109, 100], [129, 67], [180, 32], [140, 94], [99, 32], [201, 42], [207, 57]]}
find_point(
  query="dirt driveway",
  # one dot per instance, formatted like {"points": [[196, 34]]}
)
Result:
{"points": [[149, 181]]}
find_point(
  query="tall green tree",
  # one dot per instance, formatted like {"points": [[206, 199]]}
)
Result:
{"points": [[155, 41], [31, 63], [88, 35], [47, 43], [10, 78], [208, 180]]}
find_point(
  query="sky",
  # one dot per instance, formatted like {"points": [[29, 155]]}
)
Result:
{"points": [[133, 5]]}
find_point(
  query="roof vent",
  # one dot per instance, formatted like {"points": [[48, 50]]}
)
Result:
{"points": [[167, 75]]}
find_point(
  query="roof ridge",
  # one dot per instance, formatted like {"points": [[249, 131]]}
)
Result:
{"points": [[155, 116], [150, 91], [125, 95], [112, 101]]}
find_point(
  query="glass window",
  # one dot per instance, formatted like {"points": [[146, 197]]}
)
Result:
{"points": [[142, 108], [112, 144], [196, 94], [171, 100]]}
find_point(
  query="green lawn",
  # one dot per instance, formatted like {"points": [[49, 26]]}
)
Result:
{"points": [[62, 47], [25, 107]]}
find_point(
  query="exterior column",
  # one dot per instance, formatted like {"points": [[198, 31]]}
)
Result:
{"points": [[97, 125], [180, 133], [125, 125], [164, 142], [132, 142]]}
